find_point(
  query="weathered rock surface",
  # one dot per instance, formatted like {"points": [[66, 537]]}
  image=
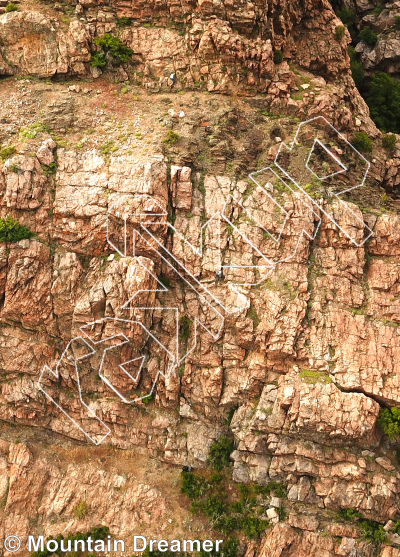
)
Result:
{"points": [[311, 423], [231, 50], [306, 349], [40, 490], [384, 55], [298, 543]]}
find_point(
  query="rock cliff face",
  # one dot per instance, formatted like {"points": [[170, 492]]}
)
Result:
{"points": [[381, 17], [307, 348]]}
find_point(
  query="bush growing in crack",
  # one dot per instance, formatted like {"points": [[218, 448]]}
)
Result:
{"points": [[389, 422], [12, 231], [383, 100], [172, 137], [81, 510], [112, 49], [362, 142], [6, 152], [340, 31], [372, 532], [389, 142], [230, 508], [11, 7], [368, 35], [219, 456]]}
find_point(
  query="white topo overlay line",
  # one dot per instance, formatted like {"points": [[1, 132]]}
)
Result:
{"points": [[154, 215]]}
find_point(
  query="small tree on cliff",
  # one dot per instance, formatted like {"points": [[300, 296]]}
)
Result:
{"points": [[12, 231], [383, 100], [112, 49]]}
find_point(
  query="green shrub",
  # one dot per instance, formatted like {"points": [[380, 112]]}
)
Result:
{"points": [[12, 231], [108, 147], [349, 515], [11, 7], [147, 399], [389, 142], [389, 421], [397, 22], [220, 452], [110, 46], [368, 36], [244, 489], [383, 100], [96, 533], [373, 532], [229, 548], [31, 131], [278, 57], [81, 510], [357, 70], [379, 9], [213, 499], [347, 16], [277, 488], [215, 479], [193, 486], [213, 506], [50, 169], [98, 60], [314, 377], [396, 527], [6, 152], [252, 313], [165, 281], [115, 47], [184, 328], [252, 527], [171, 138], [281, 513], [340, 31], [14, 168], [362, 142], [123, 21]]}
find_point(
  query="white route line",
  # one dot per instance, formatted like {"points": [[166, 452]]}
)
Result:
{"points": [[219, 219], [313, 202], [56, 375]]}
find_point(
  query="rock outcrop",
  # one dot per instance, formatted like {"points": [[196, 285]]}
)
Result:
{"points": [[165, 297], [381, 53]]}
